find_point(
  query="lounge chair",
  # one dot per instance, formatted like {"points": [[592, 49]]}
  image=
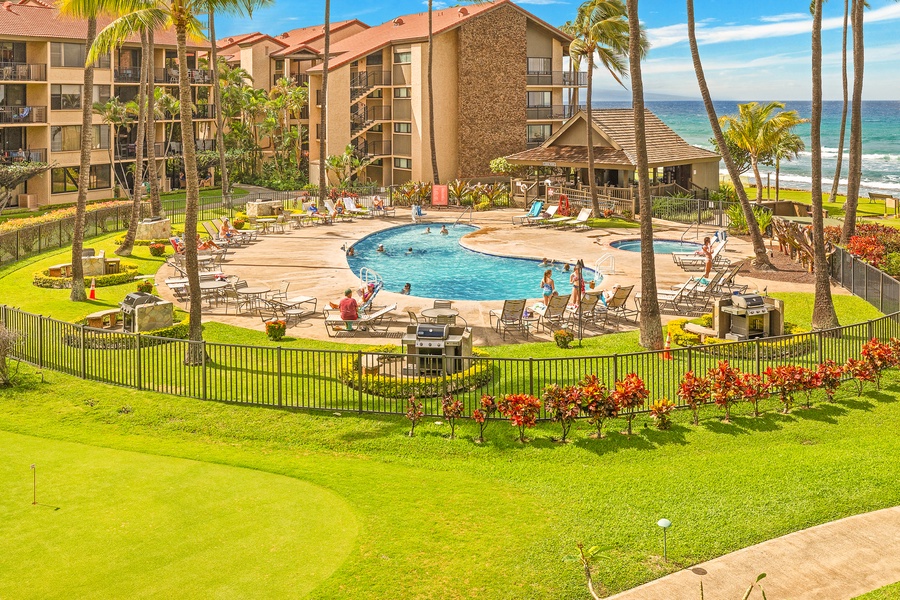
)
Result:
{"points": [[509, 317], [353, 209], [367, 323], [588, 307], [616, 306], [536, 207], [680, 300], [332, 211], [579, 222], [691, 261], [543, 217], [555, 313]]}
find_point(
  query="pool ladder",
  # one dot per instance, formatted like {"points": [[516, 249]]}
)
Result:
{"points": [[688, 230], [609, 262], [459, 218]]}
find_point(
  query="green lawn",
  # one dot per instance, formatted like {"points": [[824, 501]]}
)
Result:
{"points": [[866, 208], [434, 517], [888, 592]]}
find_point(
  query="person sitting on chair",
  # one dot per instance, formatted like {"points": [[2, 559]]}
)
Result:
{"points": [[377, 203], [349, 308], [227, 232]]}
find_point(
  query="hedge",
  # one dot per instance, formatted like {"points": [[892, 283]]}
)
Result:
{"points": [[126, 274], [726, 349], [95, 339]]}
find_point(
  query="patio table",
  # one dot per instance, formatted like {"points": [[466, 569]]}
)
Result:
{"points": [[434, 314], [211, 290], [266, 223], [251, 295]]}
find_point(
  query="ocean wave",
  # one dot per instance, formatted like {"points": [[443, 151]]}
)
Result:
{"points": [[866, 185], [832, 153]]}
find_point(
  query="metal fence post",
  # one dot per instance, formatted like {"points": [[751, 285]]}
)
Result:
{"points": [[615, 368], [83, 365], [819, 347], [203, 390], [531, 376], [137, 362], [756, 357], [41, 342], [359, 380], [278, 356]]}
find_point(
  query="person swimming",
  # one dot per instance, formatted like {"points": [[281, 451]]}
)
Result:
{"points": [[380, 247], [444, 230], [351, 251], [406, 289], [427, 230], [409, 251]]}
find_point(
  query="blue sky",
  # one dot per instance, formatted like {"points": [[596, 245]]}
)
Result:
{"points": [[750, 50]]}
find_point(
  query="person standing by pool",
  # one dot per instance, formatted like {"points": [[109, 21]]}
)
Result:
{"points": [[547, 286], [577, 282], [706, 251], [349, 308]]}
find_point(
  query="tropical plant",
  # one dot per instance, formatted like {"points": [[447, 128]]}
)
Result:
{"points": [[880, 357], [114, 114], [481, 415], [629, 394], [217, 102], [787, 147], [830, 374], [157, 249], [660, 411], [694, 392], [563, 337], [414, 413], [275, 330], [740, 156], [345, 166], [854, 160], [724, 386], [860, 371], [597, 402], [786, 380], [562, 403], [459, 191], [145, 286], [150, 107], [453, 410], [521, 410], [15, 174], [753, 389]]}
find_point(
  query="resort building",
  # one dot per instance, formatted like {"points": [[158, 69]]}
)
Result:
{"points": [[41, 80], [501, 85]]}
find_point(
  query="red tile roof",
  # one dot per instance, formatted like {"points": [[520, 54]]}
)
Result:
{"points": [[303, 38]]}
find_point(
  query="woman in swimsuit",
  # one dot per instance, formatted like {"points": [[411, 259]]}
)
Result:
{"points": [[706, 251], [547, 286], [577, 282]]}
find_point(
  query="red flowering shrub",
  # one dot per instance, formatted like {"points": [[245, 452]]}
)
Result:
{"points": [[630, 394], [563, 405], [521, 410], [832, 234], [867, 249], [787, 380], [694, 391], [597, 403], [880, 356], [753, 389], [414, 413], [453, 410], [860, 371], [829, 373], [725, 386], [481, 415], [660, 411], [873, 242], [809, 382]]}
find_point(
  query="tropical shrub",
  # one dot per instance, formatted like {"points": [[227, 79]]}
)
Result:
{"points": [[563, 405], [809, 382], [8, 342], [830, 374], [145, 285], [786, 380], [452, 410], [521, 410], [481, 415], [680, 335], [239, 223], [630, 393], [597, 403], [737, 222], [563, 337], [275, 330], [660, 411], [414, 413], [62, 213], [127, 273], [157, 249], [724, 386], [874, 242], [880, 357], [753, 388], [694, 392], [860, 371]]}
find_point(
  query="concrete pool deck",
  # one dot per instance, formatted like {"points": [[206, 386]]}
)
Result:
{"points": [[312, 260]]}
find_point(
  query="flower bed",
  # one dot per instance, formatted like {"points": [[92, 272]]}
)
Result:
{"points": [[126, 274], [58, 215]]}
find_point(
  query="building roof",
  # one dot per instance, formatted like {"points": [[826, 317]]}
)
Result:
{"points": [[573, 156], [414, 27], [33, 18], [310, 39]]}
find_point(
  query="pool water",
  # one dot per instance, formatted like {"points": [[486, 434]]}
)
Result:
{"points": [[659, 246], [439, 267]]}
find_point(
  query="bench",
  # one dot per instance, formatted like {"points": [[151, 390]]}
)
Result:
{"points": [[891, 204], [61, 270], [98, 319]]}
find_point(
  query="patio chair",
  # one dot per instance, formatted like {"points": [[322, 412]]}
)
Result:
{"points": [[413, 317], [443, 304], [691, 261], [334, 214], [555, 313], [509, 317], [680, 300], [588, 306], [617, 306], [533, 212], [353, 209], [543, 217], [281, 293], [334, 324], [579, 223], [727, 284], [278, 225]]}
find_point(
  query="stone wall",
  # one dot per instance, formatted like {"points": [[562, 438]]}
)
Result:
{"points": [[492, 66], [154, 230]]}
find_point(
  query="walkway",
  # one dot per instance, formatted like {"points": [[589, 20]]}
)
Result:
{"points": [[835, 561]]}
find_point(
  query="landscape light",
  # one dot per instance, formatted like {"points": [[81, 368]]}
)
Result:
{"points": [[665, 524]]}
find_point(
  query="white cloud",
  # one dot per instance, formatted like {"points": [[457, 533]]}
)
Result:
{"points": [[437, 5], [784, 17]]}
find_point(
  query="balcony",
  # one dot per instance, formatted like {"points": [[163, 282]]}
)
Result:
{"points": [[203, 144], [557, 78], [168, 75], [12, 71], [127, 151], [363, 117], [8, 157], [127, 75], [363, 82], [299, 79], [201, 111], [374, 148], [17, 115], [556, 112]]}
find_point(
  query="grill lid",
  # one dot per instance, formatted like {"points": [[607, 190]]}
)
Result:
{"points": [[747, 301], [139, 298], [434, 332]]}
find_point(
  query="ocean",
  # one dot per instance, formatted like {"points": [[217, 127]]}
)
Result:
{"points": [[881, 140]]}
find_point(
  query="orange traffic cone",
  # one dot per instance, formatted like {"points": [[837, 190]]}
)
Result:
{"points": [[93, 294], [666, 355]]}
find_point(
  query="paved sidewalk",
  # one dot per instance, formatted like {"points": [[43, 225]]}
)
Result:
{"points": [[834, 561]]}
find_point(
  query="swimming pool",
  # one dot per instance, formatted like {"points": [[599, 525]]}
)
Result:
{"points": [[439, 267], [659, 246]]}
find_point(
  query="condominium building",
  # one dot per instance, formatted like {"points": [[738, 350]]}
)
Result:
{"points": [[501, 84], [41, 80]]}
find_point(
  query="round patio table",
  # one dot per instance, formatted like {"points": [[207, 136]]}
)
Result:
{"points": [[266, 222], [210, 290], [438, 314], [252, 295]]}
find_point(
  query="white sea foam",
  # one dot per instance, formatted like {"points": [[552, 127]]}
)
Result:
{"points": [[866, 185]]}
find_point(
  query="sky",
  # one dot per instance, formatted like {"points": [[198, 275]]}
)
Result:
{"points": [[757, 50]]}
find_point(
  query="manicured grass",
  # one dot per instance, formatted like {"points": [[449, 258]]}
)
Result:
{"points": [[889, 592], [440, 518], [798, 308], [601, 223], [113, 523], [865, 208]]}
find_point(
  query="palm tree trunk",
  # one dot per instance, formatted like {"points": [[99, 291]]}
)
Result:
{"points": [[840, 149], [595, 203], [127, 245], [194, 354], [758, 176], [436, 179], [152, 167], [777, 177], [651, 325], [854, 166], [761, 258], [217, 101], [84, 170], [323, 154], [823, 316]]}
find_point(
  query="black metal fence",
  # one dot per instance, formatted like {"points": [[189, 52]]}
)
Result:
{"points": [[377, 382], [869, 283], [692, 210]]}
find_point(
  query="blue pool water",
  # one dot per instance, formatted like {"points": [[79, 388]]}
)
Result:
{"points": [[439, 267], [659, 246]]}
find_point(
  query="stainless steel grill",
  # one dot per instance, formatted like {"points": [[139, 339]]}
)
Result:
{"points": [[130, 305], [432, 336]]}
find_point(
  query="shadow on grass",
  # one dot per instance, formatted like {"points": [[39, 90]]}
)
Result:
{"points": [[880, 396], [760, 423], [825, 413], [854, 404]]}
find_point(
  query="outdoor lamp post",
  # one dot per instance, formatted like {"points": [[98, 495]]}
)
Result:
{"points": [[580, 266], [665, 524]]}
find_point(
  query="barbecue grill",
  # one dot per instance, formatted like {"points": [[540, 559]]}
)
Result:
{"points": [[434, 349], [130, 308], [751, 304], [749, 317], [432, 336]]}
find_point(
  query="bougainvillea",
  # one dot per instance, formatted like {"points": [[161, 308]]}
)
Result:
{"points": [[414, 413], [753, 389], [694, 392], [725, 386], [453, 410], [660, 411], [630, 393], [880, 357], [521, 410], [481, 415], [597, 403], [860, 371], [830, 377], [562, 403]]}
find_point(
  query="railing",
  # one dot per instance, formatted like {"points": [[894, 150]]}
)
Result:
{"points": [[11, 71], [869, 283], [127, 75], [562, 78], [713, 213], [373, 148], [299, 79], [23, 114], [10, 157], [556, 111], [163, 75], [204, 111], [205, 144], [363, 81], [127, 151]]}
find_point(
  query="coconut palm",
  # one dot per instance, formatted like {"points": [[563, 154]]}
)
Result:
{"points": [[854, 160], [166, 106], [651, 325], [787, 148], [840, 148], [217, 102], [323, 137], [761, 257], [153, 173], [756, 129], [430, 76], [600, 30], [823, 315], [140, 108], [114, 114]]}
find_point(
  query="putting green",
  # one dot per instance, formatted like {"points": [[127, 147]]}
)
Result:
{"points": [[111, 523]]}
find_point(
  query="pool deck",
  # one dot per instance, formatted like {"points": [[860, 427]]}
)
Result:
{"points": [[312, 260]]}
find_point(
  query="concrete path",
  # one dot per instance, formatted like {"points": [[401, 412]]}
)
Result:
{"points": [[835, 561]]}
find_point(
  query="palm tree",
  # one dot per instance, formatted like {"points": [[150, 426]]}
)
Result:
{"points": [[651, 325], [323, 154], [153, 173], [761, 257], [114, 114], [854, 162], [756, 130], [823, 315], [840, 148], [217, 102], [166, 106], [788, 147], [600, 30], [435, 178]]}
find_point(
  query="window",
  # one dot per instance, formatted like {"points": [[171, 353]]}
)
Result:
{"points": [[65, 97], [67, 138], [402, 57], [402, 127], [101, 94], [375, 59], [539, 66], [402, 92], [65, 179], [12, 52], [538, 99], [402, 163], [538, 133], [12, 95], [376, 93], [64, 54]]}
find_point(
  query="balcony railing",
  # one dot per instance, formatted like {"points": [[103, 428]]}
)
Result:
{"points": [[22, 114], [299, 79], [563, 78], [205, 144], [8, 157], [127, 75], [364, 81], [11, 71], [555, 112], [201, 111], [167, 75], [126, 151], [373, 148]]}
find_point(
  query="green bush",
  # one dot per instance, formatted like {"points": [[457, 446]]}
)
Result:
{"points": [[680, 336], [891, 264], [96, 340], [126, 274]]}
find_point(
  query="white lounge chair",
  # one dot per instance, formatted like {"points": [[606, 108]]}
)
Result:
{"points": [[335, 324], [353, 209], [691, 261], [536, 207], [543, 217]]}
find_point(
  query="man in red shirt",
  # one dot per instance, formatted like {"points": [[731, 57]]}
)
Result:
{"points": [[349, 308]]}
